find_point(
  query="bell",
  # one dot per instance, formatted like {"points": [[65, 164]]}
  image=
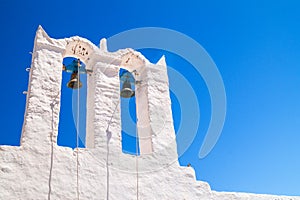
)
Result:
{"points": [[126, 91], [74, 82]]}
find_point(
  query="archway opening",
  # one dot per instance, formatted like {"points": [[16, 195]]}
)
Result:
{"points": [[130, 139], [72, 121]]}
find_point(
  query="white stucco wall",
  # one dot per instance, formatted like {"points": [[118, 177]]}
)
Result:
{"points": [[40, 169]]}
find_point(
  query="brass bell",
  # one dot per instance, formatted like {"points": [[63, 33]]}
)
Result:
{"points": [[74, 82], [127, 78], [126, 91]]}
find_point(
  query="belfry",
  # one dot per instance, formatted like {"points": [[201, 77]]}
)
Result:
{"points": [[40, 169]]}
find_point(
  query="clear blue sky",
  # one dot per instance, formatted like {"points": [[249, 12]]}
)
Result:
{"points": [[255, 44]]}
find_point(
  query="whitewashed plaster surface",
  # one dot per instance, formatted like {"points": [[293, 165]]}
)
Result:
{"points": [[40, 169]]}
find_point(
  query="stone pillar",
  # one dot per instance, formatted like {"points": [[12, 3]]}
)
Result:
{"points": [[43, 96]]}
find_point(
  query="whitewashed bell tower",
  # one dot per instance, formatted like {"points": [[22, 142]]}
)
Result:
{"points": [[40, 169]]}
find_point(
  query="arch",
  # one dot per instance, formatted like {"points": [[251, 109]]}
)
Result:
{"points": [[79, 48], [83, 49], [135, 63], [132, 62]]}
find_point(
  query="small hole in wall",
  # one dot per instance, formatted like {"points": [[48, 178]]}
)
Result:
{"points": [[130, 140], [72, 119]]}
